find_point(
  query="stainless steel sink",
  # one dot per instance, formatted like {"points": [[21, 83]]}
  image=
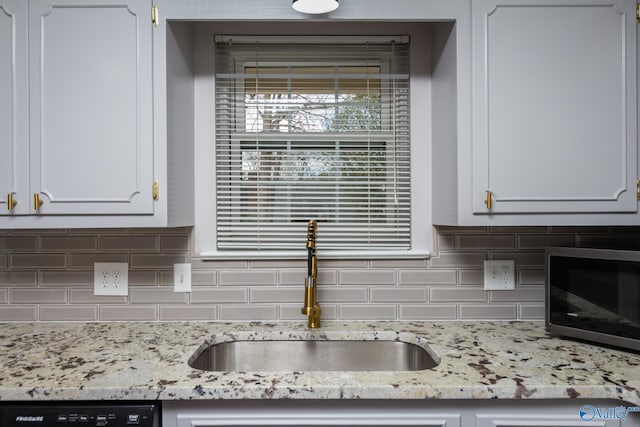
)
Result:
{"points": [[313, 355]]}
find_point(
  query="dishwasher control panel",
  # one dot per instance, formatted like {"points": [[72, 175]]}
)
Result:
{"points": [[79, 414]]}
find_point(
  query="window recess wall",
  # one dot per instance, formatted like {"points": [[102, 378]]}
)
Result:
{"points": [[288, 146]]}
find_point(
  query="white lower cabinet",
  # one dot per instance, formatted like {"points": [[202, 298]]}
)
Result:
{"points": [[275, 413], [391, 413]]}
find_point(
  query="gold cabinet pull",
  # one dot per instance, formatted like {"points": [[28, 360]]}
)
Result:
{"points": [[37, 202], [489, 200], [156, 190], [11, 202]]}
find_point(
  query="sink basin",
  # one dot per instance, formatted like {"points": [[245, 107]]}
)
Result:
{"points": [[313, 355]]}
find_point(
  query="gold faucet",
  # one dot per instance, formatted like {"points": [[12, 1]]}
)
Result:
{"points": [[311, 308]]}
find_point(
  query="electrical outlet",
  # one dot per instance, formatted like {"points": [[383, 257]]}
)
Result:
{"points": [[110, 278], [181, 277], [499, 275]]}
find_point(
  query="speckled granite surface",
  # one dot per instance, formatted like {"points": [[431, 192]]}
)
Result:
{"points": [[149, 361]]}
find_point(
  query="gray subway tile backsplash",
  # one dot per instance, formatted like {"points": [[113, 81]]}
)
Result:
{"points": [[37, 261], [487, 312], [520, 294], [157, 295], [155, 261], [267, 312], [540, 241], [247, 277], [14, 244], [130, 312], [342, 294], [81, 261], [424, 277], [208, 295], [397, 294], [532, 311], [367, 277], [428, 312], [69, 243], [18, 313], [457, 259], [368, 312], [18, 278], [86, 296], [187, 312], [484, 241], [59, 313], [129, 243], [37, 296], [458, 294], [47, 276], [274, 295]]}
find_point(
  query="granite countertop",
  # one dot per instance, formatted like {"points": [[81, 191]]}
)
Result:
{"points": [[479, 360]]}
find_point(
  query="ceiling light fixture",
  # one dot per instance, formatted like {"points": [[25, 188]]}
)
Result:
{"points": [[315, 6]]}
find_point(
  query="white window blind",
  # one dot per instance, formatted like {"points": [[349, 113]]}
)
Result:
{"points": [[312, 129]]}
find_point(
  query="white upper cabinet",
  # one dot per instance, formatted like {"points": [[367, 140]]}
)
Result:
{"points": [[14, 120], [91, 106], [77, 104], [554, 107]]}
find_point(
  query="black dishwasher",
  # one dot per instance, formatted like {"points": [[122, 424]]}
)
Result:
{"points": [[80, 414]]}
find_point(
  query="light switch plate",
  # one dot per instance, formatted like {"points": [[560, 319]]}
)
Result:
{"points": [[111, 278], [182, 277], [499, 275]]}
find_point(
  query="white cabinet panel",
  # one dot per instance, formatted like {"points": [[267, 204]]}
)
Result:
{"points": [[554, 109], [90, 106], [539, 420], [428, 421], [387, 413], [14, 137]]}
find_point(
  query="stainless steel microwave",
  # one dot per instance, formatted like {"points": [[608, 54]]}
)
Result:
{"points": [[594, 295]]}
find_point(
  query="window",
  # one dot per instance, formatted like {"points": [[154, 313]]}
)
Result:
{"points": [[313, 128]]}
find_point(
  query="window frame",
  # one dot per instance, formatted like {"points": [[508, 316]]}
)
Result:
{"points": [[205, 239]]}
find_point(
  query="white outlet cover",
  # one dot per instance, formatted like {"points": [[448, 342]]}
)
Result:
{"points": [[499, 275], [182, 277], [111, 278]]}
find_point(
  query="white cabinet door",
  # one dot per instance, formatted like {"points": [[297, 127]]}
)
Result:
{"points": [[171, 419], [91, 106], [14, 136], [554, 106], [310, 412], [447, 421]]}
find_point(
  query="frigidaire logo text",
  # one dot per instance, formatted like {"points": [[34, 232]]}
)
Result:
{"points": [[29, 418]]}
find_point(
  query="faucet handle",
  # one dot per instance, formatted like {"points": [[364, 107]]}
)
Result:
{"points": [[312, 233]]}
